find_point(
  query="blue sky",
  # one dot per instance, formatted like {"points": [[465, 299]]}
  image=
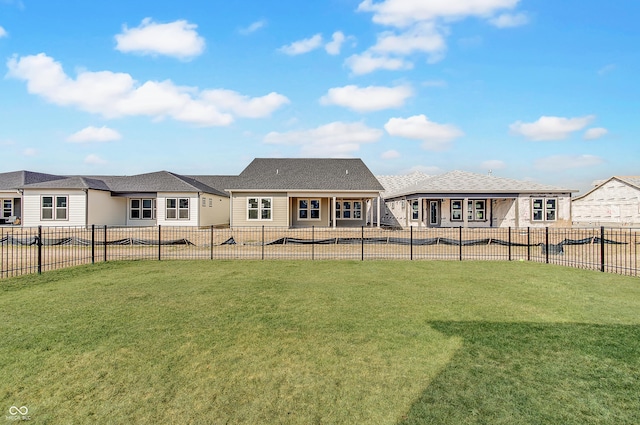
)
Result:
{"points": [[529, 89]]}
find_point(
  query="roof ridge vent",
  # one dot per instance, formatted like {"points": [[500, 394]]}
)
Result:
{"points": [[347, 171]]}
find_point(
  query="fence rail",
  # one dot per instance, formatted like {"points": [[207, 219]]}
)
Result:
{"points": [[26, 250]]}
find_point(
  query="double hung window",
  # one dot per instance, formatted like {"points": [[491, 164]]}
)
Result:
{"points": [[259, 208], [309, 209], [544, 209], [144, 209], [54, 208], [177, 209]]}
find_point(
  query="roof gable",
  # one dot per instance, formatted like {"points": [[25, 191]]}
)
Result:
{"points": [[633, 181]]}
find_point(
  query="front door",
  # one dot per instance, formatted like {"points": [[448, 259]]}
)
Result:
{"points": [[434, 213]]}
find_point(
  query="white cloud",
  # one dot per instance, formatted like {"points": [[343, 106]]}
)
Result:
{"points": [[245, 106], [402, 13], [94, 134], [595, 133], [366, 62], [333, 140], [30, 152], [493, 164], [435, 137], [422, 37], [178, 39], [334, 46], [607, 69], [367, 99], [253, 27], [118, 94], [392, 154], [3, 32], [565, 162], [93, 159], [302, 46], [509, 20], [550, 128]]}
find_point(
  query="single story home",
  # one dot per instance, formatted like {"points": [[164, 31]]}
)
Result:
{"points": [[612, 202], [302, 192], [463, 199], [159, 198]]}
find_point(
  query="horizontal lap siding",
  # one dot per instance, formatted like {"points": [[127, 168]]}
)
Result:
{"points": [[106, 209], [216, 214], [161, 205], [278, 210], [76, 208]]}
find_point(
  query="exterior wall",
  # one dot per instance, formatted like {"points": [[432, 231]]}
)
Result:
{"points": [[615, 203], [325, 213], [215, 215], [161, 209], [279, 207], [499, 212], [76, 208], [563, 218], [106, 209]]}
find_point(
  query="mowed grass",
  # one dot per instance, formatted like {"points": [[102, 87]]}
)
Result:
{"points": [[322, 342]]}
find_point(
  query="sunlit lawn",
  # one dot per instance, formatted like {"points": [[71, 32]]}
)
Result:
{"points": [[304, 342]]}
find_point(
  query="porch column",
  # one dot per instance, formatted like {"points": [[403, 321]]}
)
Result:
{"points": [[407, 211], [333, 207], [378, 212], [420, 209], [465, 212]]}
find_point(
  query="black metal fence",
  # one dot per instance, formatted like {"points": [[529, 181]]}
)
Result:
{"points": [[35, 250]]}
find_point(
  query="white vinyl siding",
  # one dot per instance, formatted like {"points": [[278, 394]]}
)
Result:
{"points": [[279, 209], [75, 208], [188, 210]]}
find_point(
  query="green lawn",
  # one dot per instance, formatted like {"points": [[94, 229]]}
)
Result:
{"points": [[302, 342]]}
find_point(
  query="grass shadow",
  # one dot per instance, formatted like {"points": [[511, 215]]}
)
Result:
{"points": [[535, 373]]}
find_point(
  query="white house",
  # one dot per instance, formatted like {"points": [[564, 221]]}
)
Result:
{"points": [[612, 202], [463, 199]]}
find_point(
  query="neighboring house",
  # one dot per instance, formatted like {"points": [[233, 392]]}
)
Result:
{"points": [[462, 199], [11, 194], [304, 193], [160, 198], [612, 202]]}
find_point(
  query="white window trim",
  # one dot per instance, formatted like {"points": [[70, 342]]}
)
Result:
{"points": [[544, 210], [141, 208], [260, 209], [340, 209], [54, 208], [415, 202], [471, 212], [177, 209], [309, 209], [454, 201], [2, 201]]}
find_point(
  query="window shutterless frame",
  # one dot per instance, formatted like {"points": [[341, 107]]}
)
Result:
{"points": [[54, 207]]}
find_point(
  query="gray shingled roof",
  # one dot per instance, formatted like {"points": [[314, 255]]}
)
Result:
{"points": [[456, 182], [75, 182], [307, 174], [159, 181], [16, 179], [217, 182]]}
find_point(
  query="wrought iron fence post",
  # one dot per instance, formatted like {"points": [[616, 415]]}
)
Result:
{"points": [[509, 243], [159, 242], [411, 243], [313, 242], [362, 244], [105, 243], [602, 248], [211, 243], [39, 245], [546, 244], [528, 243], [460, 242], [93, 244], [262, 242]]}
